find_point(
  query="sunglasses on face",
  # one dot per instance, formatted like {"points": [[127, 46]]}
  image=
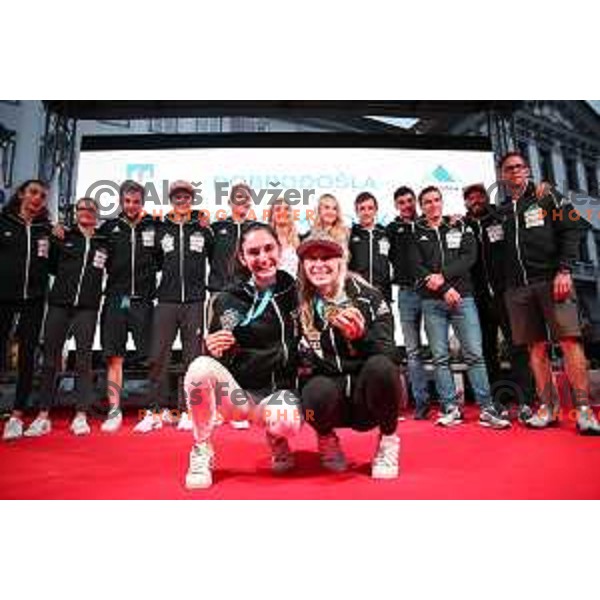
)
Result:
{"points": [[41, 193], [511, 168]]}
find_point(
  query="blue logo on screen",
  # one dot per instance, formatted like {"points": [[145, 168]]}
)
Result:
{"points": [[140, 172], [441, 174]]}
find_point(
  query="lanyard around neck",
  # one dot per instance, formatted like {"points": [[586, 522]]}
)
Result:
{"points": [[256, 311]]}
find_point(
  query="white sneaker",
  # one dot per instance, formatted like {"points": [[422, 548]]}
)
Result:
{"points": [[199, 474], [166, 417], [240, 424], [449, 417], [185, 423], [80, 426], [150, 422], [113, 422], [385, 463], [13, 429], [282, 459], [40, 426]]}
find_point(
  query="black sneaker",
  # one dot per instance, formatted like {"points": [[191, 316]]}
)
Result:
{"points": [[502, 411], [422, 413], [490, 417], [525, 413]]}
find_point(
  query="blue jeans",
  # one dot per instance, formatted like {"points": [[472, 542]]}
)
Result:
{"points": [[411, 316], [465, 322]]}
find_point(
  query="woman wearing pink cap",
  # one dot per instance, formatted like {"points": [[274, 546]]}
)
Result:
{"points": [[348, 342]]}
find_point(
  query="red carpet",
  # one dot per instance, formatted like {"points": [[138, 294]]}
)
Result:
{"points": [[466, 462]]}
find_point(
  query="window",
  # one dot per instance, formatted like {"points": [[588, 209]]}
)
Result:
{"points": [[597, 241], [584, 251], [591, 176], [546, 170], [571, 173], [523, 148]]}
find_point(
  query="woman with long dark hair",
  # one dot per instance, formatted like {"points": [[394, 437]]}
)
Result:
{"points": [[251, 371], [24, 261]]}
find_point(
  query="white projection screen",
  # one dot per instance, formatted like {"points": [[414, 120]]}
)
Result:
{"points": [[362, 165], [344, 172]]}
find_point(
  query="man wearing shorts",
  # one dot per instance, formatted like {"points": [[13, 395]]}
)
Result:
{"points": [[132, 266], [542, 242]]}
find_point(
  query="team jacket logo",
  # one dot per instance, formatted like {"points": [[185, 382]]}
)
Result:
{"points": [[43, 247], [313, 341], [196, 242], [100, 257], [534, 217], [453, 239], [384, 247], [148, 238], [383, 309], [495, 233], [167, 243]]}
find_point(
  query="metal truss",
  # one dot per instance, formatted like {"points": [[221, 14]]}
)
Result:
{"points": [[8, 144], [57, 158]]}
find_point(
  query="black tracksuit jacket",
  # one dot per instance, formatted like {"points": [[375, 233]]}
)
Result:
{"points": [[400, 234], [487, 273], [542, 237], [24, 257], [78, 264], [369, 256], [226, 235], [451, 250], [265, 356], [184, 246], [328, 353], [133, 257]]}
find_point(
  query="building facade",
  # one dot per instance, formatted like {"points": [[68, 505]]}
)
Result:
{"points": [[561, 140]]}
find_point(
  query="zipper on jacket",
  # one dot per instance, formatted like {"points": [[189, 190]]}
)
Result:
{"points": [[281, 322], [181, 260], [83, 266], [335, 350], [485, 267], [517, 244], [439, 239], [27, 260], [370, 256], [132, 260]]}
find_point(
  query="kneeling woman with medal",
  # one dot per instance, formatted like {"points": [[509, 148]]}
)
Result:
{"points": [[252, 339], [348, 344]]}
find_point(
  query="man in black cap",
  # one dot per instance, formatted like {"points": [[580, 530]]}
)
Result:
{"points": [[184, 244], [488, 291]]}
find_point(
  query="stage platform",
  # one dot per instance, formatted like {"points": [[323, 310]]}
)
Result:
{"points": [[466, 462]]}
